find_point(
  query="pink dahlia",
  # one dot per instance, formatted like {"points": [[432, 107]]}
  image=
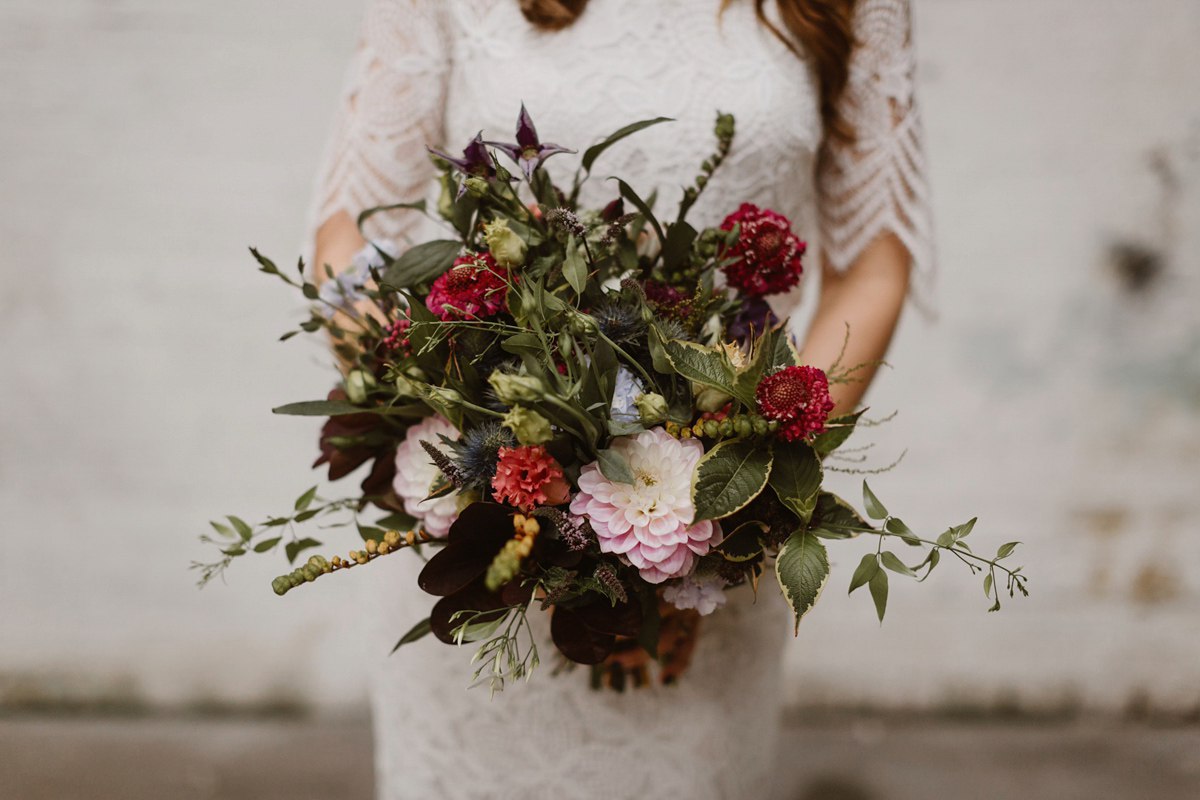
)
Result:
{"points": [[649, 522], [767, 252], [798, 397], [416, 475], [475, 287], [528, 477]]}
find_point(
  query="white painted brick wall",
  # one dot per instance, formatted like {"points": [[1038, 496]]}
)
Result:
{"points": [[146, 142]]}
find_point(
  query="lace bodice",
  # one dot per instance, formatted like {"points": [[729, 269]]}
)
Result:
{"points": [[438, 71]]}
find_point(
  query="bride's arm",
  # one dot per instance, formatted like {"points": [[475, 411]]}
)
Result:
{"points": [[866, 299], [876, 232]]}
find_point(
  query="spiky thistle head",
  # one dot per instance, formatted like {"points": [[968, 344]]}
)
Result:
{"points": [[478, 451], [618, 322]]}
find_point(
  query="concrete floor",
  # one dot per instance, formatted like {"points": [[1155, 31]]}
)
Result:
{"points": [[844, 758]]}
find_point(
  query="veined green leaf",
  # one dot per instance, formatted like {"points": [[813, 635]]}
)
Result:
{"points": [[802, 568], [728, 477], [422, 263], [796, 477], [266, 544], [418, 631], [837, 431], [987, 585], [704, 365], [875, 509], [743, 543], [223, 529]]}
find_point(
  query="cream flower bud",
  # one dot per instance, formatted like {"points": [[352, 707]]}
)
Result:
{"points": [[513, 389], [358, 385], [652, 408], [504, 244], [530, 427]]}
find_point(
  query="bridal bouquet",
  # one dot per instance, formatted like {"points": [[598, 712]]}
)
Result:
{"points": [[593, 411]]}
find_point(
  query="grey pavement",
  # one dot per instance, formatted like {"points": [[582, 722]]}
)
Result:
{"points": [[832, 758]]}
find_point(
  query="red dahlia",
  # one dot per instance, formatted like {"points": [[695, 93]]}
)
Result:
{"points": [[798, 397], [475, 287], [767, 252]]}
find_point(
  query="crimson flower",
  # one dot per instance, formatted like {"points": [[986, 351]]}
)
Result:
{"points": [[528, 152], [798, 397], [474, 288], [767, 252]]}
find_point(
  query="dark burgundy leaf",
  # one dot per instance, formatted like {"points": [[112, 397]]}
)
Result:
{"points": [[474, 597], [515, 594], [578, 642], [623, 619], [474, 540]]}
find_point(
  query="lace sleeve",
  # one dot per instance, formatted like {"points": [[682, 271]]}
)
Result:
{"points": [[879, 182], [391, 107]]}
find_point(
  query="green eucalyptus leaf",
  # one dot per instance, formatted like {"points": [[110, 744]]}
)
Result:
{"points": [[304, 500], [418, 631], [875, 509], [964, 530], [865, 571], [894, 525], [266, 544], [244, 530], [879, 592], [892, 562], [796, 477], [574, 267], [987, 585], [1006, 550], [293, 549], [615, 467], [592, 153], [728, 477], [422, 263], [802, 568]]}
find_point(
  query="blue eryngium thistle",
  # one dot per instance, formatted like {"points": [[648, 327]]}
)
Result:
{"points": [[476, 162], [478, 450], [619, 322], [528, 152]]}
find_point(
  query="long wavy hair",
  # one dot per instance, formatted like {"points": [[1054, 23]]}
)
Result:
{"points": [[822, 29]]}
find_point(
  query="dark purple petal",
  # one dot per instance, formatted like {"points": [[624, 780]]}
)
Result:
{"points": [[526, 134]]}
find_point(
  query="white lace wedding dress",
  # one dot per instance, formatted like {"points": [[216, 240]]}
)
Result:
{"points": [[438, 71]]}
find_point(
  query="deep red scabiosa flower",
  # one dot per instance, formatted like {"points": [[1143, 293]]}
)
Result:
{"points": [[798, 397], [767, 252], [529, 476], [474, 288]]}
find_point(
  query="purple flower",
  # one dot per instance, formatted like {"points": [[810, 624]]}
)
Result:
{"points": [[476, 162], [528, 152], [754, 317]]}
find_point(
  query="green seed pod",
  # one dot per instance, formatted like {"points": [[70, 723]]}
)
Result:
{"points": [[742, 425], [725, 427], [701, 180], [310, 572], [711, 429], [281, 585], [760, 426], [773, 425]]}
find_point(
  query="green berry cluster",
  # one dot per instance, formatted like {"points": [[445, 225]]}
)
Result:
{"points": [[736, 425], [507, 563], [319, 565]]}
